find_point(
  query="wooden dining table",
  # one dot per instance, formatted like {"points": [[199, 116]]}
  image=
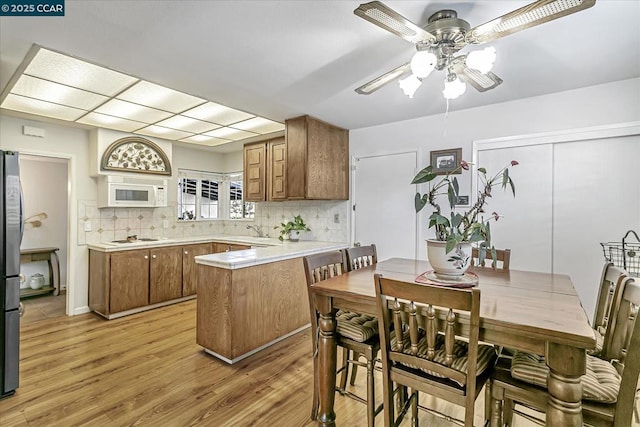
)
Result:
{"points": [[524, 310]]}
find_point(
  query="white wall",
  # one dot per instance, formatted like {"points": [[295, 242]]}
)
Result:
{"points": [[612, 103], [596, 105]]}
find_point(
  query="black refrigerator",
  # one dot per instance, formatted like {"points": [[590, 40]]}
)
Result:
{"points": [[11, 221]]}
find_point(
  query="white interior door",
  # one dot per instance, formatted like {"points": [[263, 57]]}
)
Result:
{"points": [[383, 204]]}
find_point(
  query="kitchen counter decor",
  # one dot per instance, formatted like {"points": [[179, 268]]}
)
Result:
{"points": [[292, 229], [450, 252]]}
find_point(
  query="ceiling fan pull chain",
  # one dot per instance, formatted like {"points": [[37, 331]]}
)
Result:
{"points": [[446, 117]]}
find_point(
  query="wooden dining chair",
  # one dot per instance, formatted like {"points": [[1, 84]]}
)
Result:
{"points": [[500, 263], [443, 358], [356, 333], [361, 256], [607, 304], [608, 388]]}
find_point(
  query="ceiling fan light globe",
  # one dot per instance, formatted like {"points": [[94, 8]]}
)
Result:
{"points": [[453, 89], [409, 85], [482, 60], [423, 63]]}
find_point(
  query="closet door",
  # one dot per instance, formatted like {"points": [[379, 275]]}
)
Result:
{"points": [[596, 199], [526, 225]]}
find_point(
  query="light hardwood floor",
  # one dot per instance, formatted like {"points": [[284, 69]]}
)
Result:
{"points": [[146, 369]]}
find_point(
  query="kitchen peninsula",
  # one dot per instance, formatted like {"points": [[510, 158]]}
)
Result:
{"points": [[251, 299]]}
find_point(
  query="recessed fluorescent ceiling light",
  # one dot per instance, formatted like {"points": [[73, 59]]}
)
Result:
{"points": [[45, 90], [230, 133], [188, 124], [73, 72], [162, 132], [41, 108], [217, 113], [105, 121], [63, 87], [205, 140], [129, 110], [259, 125], [156, 96]]}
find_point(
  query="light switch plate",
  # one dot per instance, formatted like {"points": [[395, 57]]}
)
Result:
{"points": [[87, 226]]}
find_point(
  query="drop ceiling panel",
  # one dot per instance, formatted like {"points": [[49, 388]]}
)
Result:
{"points": [[162, 132], [217, 113], [163, 98], [259, 125], [187, 124], [111, 122], [129, 110], [41, 108], [230, 133], [73, 72], [45, 90], [205, 140]]}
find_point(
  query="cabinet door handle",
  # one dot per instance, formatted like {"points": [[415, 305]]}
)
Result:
{"points": [[153, 256], [146, 257], [186, 252]]}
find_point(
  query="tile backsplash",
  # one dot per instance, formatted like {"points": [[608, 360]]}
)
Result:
{"points": [[109, 224]]}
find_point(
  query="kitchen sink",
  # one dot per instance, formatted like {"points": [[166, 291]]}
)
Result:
{"points": [[143, 239]]}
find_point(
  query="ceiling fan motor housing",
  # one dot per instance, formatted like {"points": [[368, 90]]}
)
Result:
{"points": [[449, 32]]}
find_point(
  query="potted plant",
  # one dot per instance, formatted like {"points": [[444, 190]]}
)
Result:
{"points": [[458, 231], [292, 229]]}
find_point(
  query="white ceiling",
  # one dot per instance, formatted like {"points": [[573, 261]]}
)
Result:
{"points": [[281, 59]]}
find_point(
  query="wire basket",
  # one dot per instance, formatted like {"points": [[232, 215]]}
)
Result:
{"points": [[624, 254]]}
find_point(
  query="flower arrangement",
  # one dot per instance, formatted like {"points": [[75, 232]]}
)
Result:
{"points": [[467, 227], [296, 226]]}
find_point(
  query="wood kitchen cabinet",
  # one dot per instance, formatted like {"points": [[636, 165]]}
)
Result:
{"points": [[227, 247], [189, 278], [129, 280], [276, 169], [317, 160], [255, 172], [265, 171], [165, 274]]}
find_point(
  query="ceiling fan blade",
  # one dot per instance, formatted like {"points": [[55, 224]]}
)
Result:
{"points": [[388, 77], [533, 14], [384, 17], [480, 82]]}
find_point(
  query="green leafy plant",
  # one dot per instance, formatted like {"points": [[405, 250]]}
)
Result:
{"points": [[287, 227], [469, 226]]}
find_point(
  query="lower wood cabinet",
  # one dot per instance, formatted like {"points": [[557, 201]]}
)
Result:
{"points": [[226, 247], [189, 278], [129, 273], [128, 281], [165, 274]]}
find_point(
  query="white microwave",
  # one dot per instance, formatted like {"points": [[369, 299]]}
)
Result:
{"points": [[116, 191]]}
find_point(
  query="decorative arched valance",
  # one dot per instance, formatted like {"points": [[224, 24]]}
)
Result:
{"points": [[135, 154]]}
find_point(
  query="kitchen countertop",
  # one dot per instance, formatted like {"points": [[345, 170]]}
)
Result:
{"points": [[264, 255], [263, 250]]}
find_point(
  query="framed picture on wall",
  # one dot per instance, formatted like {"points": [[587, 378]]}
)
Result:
{"points": [[446, 161]]}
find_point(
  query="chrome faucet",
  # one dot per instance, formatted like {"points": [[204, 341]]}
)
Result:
{"points": [[257, 229]]}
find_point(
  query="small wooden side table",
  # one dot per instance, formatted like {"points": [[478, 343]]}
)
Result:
{"points": [[44, 254]]}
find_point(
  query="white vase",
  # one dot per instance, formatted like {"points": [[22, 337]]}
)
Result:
{"points": [[454, 263]]}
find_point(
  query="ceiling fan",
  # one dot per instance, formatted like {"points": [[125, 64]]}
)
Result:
{"points": [[445, 34]]}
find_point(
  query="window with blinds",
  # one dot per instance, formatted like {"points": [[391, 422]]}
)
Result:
{"points": [[208, 195]]}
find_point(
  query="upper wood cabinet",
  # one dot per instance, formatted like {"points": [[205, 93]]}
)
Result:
{"points": [[310, 162], [265, 169], [276, 169], [317, 160], [255, 167]]}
